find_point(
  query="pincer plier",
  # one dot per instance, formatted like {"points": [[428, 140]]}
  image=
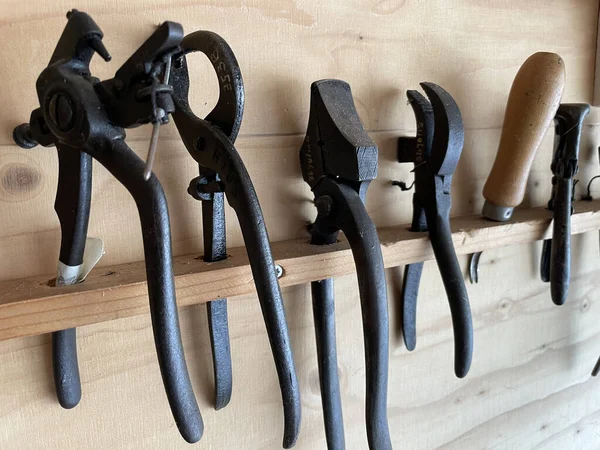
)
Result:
{"points": [[338, 161], [222, 172], [555, 264], [435, 152], [82, 116]]}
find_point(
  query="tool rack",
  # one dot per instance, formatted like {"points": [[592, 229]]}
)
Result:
{"points": [[31, 306]]}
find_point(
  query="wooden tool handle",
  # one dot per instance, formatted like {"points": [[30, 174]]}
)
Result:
{"points": [[532, 103]]}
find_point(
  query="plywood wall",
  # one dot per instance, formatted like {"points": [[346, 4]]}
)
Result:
{"points": [[529, 385]]}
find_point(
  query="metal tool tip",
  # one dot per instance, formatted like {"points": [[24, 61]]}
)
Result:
{"points": [[147, 174], [596, 369], [98, 46], [497, 213], [474, 267], [22, 136]]}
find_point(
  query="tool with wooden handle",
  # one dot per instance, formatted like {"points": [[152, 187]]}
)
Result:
{"points": [[532, 103]]}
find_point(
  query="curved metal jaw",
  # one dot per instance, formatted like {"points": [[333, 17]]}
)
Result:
{"points": [[338, 161], [440, 133], [210, 142], [435, 152], [448, 137]]}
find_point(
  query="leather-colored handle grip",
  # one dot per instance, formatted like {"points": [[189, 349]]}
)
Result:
{"points": [[532, 103]]}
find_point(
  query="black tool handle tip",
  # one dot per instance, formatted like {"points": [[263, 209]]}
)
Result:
{"points": [[66, 368], [596, 368], [22, 136]]}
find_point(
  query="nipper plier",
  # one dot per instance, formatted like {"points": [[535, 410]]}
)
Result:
{"points": [[435, 152]]}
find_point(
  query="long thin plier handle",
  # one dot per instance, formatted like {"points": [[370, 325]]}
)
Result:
{"points": [[349, 215], [72, 205]]}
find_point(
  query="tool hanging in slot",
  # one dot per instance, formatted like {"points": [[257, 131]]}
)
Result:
{"points": [[338, 161], [208, 188], [532, 103], [435, 152], [82, 115], [210, 142], [76, 116], [555, 265]]}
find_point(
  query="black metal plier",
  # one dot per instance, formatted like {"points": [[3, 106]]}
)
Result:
{"points": [[82, 115], [338, 161], [222, 172], [555, 264], [435, 152], [84, 118]]}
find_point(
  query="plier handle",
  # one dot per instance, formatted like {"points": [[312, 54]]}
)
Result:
{"points": [[207, 187], [72, 206]]}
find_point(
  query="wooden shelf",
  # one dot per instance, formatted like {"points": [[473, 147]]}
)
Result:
{"points": [[31, 306]]}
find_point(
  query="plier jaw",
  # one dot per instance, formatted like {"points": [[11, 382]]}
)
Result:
{"points": [[228, 112], [141, 84], [435, 152], [336, 144], [568, 125]]}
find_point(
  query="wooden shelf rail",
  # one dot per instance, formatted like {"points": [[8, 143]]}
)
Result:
{"points": [[32, 306]]}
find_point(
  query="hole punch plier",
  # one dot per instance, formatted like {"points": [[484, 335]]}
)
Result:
{"points": [[84, 118]]}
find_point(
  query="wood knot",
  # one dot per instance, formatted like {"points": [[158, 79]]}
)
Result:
{"points": [[18, 179], [504, 304]]}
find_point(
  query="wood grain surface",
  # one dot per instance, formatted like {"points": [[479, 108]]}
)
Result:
{"points": [[529, 386]]}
